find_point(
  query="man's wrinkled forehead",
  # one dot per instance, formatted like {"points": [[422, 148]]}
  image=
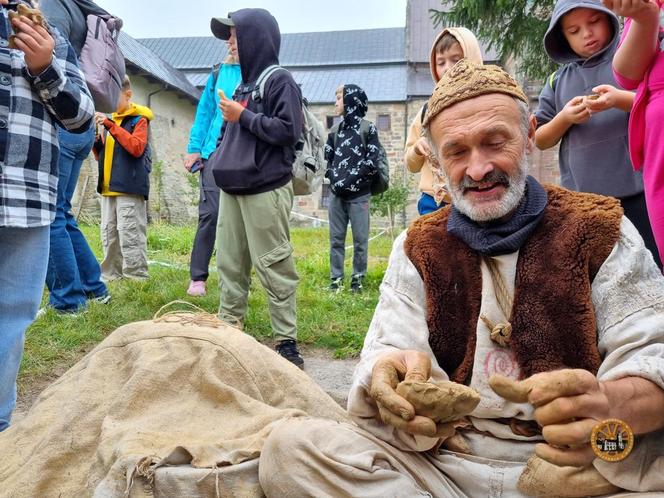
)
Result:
{"points": [[493, 113]]}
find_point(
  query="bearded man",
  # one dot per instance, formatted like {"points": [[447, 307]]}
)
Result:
{"points": [[543, 301]]}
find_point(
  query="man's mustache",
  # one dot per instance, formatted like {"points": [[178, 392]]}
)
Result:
{"points": [[494, 176]]}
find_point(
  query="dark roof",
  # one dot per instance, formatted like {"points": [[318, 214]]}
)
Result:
{"points": [[195, 52], [422, 31], [331, 48], [382, 83], [337, 48], [387, 83], [198, 79], [420, 82], [149, 62], [389, 67]]}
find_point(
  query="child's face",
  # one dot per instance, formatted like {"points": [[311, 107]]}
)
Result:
{"points": [[445, 60], [123, 103], [586, 30], [231, 43], [339, 103]]}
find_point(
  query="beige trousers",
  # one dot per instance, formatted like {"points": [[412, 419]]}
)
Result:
{"points": [[254, 230], [321, 458], [124, 237]]}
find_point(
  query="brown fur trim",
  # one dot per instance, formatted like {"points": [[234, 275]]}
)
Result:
{"points": [[553, 317], [454, 298]]}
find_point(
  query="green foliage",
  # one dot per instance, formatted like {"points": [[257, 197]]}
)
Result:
{"points": [[158, 174], [192, 180], [514, 28], [393, 200], [337, 321]]}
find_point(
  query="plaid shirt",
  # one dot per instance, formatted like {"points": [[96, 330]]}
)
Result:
{"points": [[30, 107]]}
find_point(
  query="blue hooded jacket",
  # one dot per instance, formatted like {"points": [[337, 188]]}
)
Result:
{"points": [[594, 156], [207, 123]]}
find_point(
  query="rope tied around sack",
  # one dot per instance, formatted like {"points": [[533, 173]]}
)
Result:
{"points": [[215, 469], [197, 317], [145, 469], [500, 332]]}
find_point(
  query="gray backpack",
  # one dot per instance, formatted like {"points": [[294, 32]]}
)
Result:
{"points": [[102, 61], [309, 164]]}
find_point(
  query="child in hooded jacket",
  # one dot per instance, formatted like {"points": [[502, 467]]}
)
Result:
{"points": [[449, 47], [202, 142], [124, 184], [352, 153], [581, 107], [639, 64]]}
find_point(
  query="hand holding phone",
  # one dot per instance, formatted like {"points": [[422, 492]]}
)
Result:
{"points": [[197, 166]]}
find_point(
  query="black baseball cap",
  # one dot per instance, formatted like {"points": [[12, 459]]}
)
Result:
{"points": [[221, 26]]}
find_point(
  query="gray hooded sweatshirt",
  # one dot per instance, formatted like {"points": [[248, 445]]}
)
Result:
{"points": [[594, 156]]}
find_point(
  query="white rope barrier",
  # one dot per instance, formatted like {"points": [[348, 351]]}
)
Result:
{"points": [[213, 269]]}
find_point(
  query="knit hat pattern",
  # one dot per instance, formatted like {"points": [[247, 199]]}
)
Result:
{"points": [[467, 80]]}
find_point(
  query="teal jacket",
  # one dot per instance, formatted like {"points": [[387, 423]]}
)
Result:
{"points": [[207, 123]]}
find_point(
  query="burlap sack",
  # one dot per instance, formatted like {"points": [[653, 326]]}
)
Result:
{"points": [[158, 409]]}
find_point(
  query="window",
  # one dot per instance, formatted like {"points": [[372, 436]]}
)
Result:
{"points": [[324, 196], [330, 121], [384, 122]]}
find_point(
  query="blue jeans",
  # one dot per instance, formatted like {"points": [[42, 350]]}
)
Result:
{"points": [[22, 271], [427, 204], [73, 271]]}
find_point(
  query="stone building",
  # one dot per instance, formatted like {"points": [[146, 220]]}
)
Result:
{"points": [[390, 64]]}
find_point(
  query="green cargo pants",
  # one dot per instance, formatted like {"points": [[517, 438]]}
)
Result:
{"points": [[253, 229]]}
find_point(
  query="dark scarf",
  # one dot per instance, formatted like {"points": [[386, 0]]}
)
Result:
{"points": [[494, 239]]}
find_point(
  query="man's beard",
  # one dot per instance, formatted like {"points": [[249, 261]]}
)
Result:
{"points": [[515, 187]]}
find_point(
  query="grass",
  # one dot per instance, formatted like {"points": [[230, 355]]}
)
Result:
{"points": [[335, 321]]}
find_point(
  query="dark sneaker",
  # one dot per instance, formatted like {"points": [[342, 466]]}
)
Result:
{"points": [[356, 284], [288, 349], [337, 285]]}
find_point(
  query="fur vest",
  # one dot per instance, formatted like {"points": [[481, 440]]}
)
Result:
{"points": [[553, 319]]}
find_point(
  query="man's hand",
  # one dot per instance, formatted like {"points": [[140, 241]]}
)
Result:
{"points": [[421, 147], [636, 9], [575, 111], [394, 410], [568, 404], [230, 110], [190, 159], [35, 42]]}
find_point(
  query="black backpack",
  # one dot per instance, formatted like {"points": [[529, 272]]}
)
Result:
{"points": [[381, 180]]}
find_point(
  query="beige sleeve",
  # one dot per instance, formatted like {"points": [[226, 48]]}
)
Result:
{"points": [[413, 160], [401, 308]]}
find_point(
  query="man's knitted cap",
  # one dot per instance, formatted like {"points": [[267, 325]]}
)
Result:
{"points": [[467, 80]]}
